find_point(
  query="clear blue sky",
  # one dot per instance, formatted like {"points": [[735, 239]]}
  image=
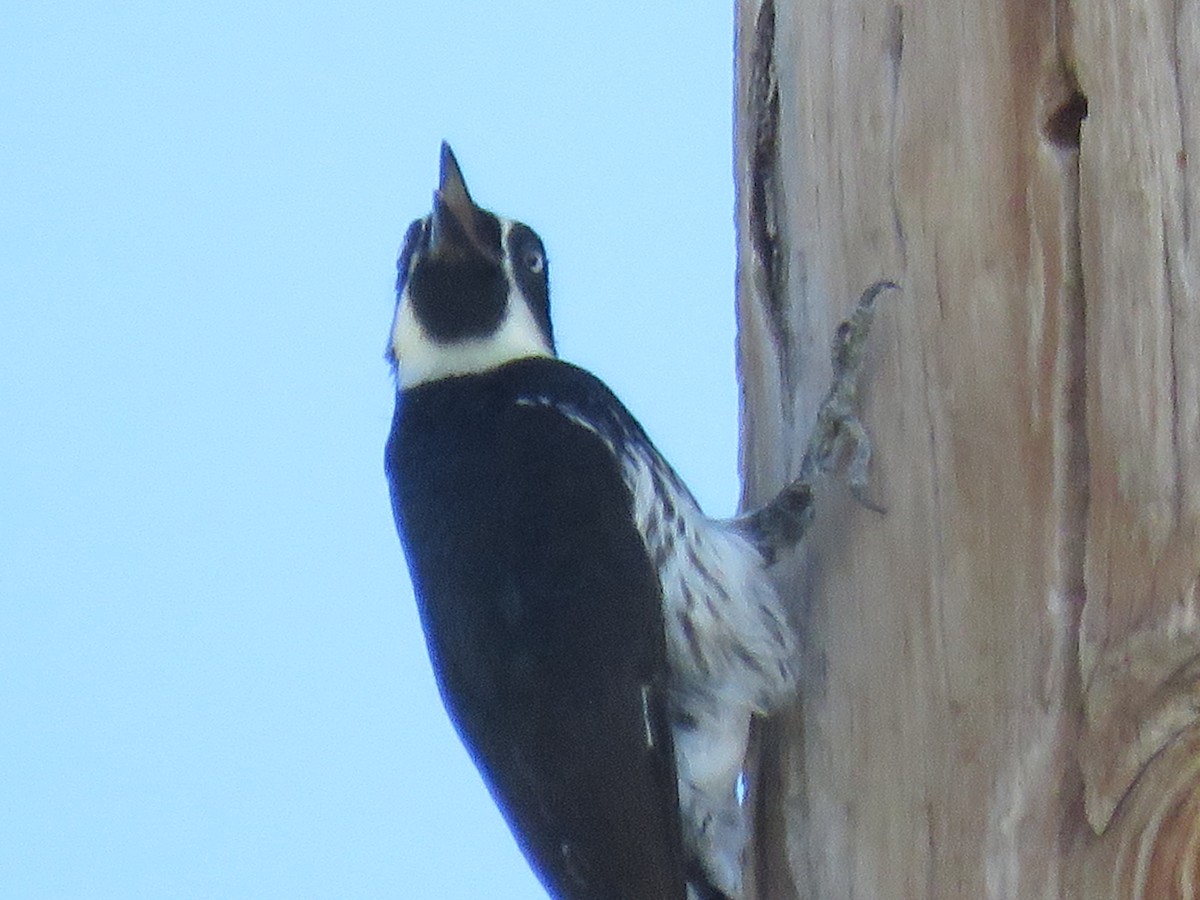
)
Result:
{"points": [[212, 679]]}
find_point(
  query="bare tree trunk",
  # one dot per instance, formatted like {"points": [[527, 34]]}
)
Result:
{"points": [[1003, 677]]}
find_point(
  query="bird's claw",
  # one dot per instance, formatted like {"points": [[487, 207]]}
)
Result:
{"points": [[838, 444], [839, 441]]}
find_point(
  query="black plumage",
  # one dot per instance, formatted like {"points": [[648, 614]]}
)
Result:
{"points": [[601, 644], [543, 615]]}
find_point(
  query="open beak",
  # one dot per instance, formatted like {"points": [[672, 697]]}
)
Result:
{"points": [[453, 223]]}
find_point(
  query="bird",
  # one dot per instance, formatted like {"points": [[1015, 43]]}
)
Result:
{"points": [[599, 643]]}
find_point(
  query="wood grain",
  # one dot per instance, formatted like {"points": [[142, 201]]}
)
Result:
{"points": [[1004, 671]]}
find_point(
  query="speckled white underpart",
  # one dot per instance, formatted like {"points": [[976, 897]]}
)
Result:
{"points": [[730, 649]]}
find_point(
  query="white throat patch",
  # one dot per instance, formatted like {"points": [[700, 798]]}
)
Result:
{"points": [[421, 358]]}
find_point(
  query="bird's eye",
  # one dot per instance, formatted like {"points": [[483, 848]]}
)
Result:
{"points": [[533, 259]]}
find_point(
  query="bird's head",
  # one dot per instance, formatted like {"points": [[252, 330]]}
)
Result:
{"points": [[472, 289]]}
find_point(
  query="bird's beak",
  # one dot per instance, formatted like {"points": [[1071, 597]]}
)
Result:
{"points": [[453, 223]]}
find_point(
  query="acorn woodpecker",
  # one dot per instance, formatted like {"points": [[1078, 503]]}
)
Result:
{"points": [[599, 643]]}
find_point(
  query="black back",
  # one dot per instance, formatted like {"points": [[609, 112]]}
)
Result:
{"points": [[543, 618]]}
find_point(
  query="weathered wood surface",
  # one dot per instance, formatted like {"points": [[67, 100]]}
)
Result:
{"points": [[1004, 671]]}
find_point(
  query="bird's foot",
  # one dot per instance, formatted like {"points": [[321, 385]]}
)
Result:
{"points": [[839, 443]]}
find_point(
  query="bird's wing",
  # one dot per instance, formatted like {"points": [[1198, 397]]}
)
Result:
{"points": [[586, 771]]}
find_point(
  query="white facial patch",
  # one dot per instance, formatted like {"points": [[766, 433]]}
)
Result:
{"points": [[421, 358]]}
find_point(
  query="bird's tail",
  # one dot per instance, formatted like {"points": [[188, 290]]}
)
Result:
{"points": [[700, 888]]}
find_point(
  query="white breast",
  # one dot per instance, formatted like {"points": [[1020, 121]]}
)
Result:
{"points": [[727, 631]]}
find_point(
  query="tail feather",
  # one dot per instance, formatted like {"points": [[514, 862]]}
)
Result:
{"points": [[700, 888]]}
